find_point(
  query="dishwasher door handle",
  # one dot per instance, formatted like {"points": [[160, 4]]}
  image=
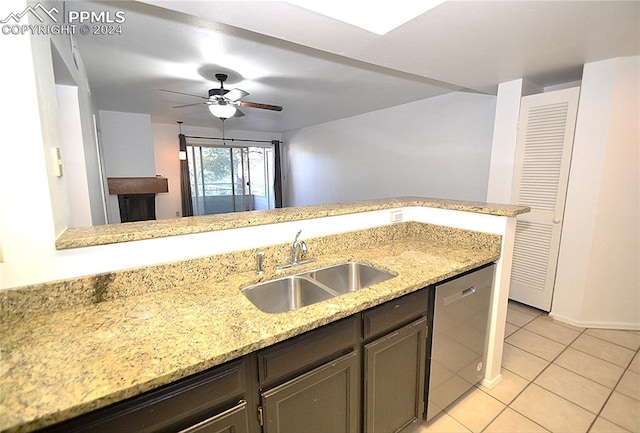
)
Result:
{"points": [[459, 295]]}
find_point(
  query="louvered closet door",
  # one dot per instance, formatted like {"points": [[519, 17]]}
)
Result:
{"points": [[543, 157]]}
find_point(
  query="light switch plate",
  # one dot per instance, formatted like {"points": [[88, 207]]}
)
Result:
{"points": [[57, 160]]}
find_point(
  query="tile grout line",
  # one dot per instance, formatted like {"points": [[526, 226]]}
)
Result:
{"points": [[614, 390], [582, 332], [508, 406], [552, 363], [566, 346], [542, 371]]}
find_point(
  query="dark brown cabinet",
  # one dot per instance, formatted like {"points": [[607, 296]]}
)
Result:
{"points": [[394, 367], [323, 400], [394, 352], [318, 383], [311, 383]]}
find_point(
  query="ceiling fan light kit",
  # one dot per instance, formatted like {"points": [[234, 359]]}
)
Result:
{"points": [[223, 103], [223, 111]]}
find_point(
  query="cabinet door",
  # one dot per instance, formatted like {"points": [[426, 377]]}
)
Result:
{"points": [[324, 400], [394, 369], [234, 420]]}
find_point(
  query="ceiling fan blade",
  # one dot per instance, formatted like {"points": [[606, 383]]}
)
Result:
{"points": [[235, 94], [263, 106], [189, 105], [238, 113], [182, 93]]}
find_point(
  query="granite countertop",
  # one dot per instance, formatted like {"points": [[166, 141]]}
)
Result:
{"points": [[113, 233], [58, 365]]}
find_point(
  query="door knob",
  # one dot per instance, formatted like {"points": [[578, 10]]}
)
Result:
{"points": [[556, 220]]}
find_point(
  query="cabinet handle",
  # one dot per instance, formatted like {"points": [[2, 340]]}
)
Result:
{"points": [[260, 416], [469, 291], [459, 295], [199, 427]]}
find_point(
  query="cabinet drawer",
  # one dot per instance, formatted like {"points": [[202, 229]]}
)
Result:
{"points": [[234, 420], [392, 314], [170, 407], [306, 351]]}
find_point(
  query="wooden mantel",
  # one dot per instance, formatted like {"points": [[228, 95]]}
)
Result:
{"points": [[137, 185]]}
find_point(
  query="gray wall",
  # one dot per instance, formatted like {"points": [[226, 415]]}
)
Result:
{"points": [[438, 147]]}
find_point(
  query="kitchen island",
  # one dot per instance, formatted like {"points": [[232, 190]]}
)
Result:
{"points": [[63, 363]]}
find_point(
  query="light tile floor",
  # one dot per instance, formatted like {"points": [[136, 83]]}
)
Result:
{"points": [[556, 378]]}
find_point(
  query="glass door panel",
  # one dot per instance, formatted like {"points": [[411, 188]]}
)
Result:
{"points": [[230, 179]]}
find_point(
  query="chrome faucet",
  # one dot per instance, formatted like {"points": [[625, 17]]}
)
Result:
{"points": [[298, 248]]}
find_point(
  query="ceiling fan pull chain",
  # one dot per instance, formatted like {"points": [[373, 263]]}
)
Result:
{"points": [[224, 142]]}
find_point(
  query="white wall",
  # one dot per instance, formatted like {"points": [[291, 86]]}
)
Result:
{"points": [[598, 277], [439, 147], [127, 144], [49, 125], [505, 131], [165, 149], [26, 225], [51, 63], [72, 145], [54, 64]]}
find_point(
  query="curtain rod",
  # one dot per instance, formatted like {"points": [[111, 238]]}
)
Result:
{"points": [[234, 139]]}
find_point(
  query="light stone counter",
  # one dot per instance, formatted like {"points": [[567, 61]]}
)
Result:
{"points": [[113, 233], [127, 336]]}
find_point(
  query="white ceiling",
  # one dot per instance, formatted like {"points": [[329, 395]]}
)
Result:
{"points": [[320, 69]]}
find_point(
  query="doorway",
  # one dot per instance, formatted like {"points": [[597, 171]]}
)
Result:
{"points": [[230, 178]]}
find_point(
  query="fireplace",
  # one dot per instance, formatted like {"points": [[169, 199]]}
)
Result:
{"points": [[137, 196], [137, 207]]}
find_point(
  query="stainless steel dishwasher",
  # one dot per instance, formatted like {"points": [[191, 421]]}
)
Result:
{"points": [[458, 325]]}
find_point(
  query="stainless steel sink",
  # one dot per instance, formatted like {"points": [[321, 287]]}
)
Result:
{"points": [[290, 293], [284, 294], [349, 277]]}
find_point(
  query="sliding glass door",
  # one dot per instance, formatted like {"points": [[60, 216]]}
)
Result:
{"points": [[230, 178]]}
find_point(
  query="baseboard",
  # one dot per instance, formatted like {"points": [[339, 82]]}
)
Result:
{"points": [[626, 326], [493, 382]]}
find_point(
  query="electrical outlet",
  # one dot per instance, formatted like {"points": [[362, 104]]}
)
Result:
{"points": [[396, 216]]}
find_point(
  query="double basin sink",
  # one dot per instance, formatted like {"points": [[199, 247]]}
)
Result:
{"points": [[290, 293]]}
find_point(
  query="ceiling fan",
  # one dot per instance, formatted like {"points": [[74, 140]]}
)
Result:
{"points": [[223, 103]]}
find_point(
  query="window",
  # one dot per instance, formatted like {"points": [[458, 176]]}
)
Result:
{"points": [[230, 178]]}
